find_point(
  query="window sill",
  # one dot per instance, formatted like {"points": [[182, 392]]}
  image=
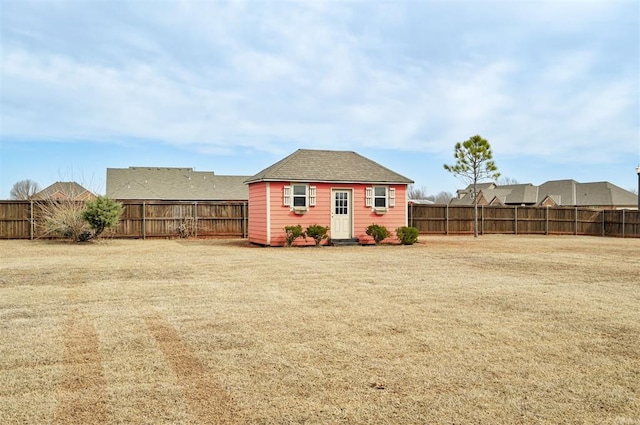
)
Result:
{"points": [[380, 210], [299, 210]]}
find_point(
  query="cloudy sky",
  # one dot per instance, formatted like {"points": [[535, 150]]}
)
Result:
{"points": [[233, 87]]}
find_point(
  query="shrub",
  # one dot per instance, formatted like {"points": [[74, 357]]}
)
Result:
{"points": [[293, 233], [407, 235], [378, 233], [318, 233], [186, 228], [64, 218], [102, 213]]}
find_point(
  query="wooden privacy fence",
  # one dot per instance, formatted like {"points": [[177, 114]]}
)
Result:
{"points": [[198, 219], [445, 219], [148, 219], [140, 219]]}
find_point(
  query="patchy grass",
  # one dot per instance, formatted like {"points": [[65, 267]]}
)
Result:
{"points": [[499, 330]]}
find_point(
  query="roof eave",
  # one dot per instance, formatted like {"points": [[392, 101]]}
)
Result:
{"points": [[329, 181]]}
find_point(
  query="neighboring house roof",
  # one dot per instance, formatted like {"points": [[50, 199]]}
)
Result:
{"points": [[522, 193], [603, 193], [550, 201], [513, 194], [162, 183], [421, 201], [66, 191], [496, 201], [306, 165], [560, 192], [469, 189], [571, 192], [489, 195]]}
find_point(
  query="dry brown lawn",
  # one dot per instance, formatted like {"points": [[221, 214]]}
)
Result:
{"points": [[499, 330]]}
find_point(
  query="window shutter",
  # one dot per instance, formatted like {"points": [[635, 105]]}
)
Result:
{"points": [[312, 196], [392, 196], [286, 196], [368, 197]]}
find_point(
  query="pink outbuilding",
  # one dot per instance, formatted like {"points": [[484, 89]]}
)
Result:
{"points": [[339, 189]]}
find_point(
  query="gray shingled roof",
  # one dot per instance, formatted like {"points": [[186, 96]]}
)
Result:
{"points": [[522, 194], [513, 194], [563, 192], [174, 184], [571, 192], [71, 190], [306, 165], [603, 193]]}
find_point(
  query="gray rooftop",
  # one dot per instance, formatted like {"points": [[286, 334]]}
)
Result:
{"points": [[513, 194], [71, 190], [571, 192], [162, 183], [563, 192], [306, 165]]}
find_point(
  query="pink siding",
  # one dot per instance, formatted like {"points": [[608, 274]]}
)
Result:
{"points": [[258, 213], [364, 216], [282, 216]]}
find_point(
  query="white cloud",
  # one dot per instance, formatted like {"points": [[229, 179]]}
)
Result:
{"points": [[567, 67], [218, 76]]}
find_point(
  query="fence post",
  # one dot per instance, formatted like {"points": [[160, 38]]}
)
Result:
{"points": [[144, 220], [446, 221], [603, 223], [31, 223], [546, 221], [515, 213], [411, 215], [245, 214], [623, 221], [482, 220], [195, 218], [575, 219]]}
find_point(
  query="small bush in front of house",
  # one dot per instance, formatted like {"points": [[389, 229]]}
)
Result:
{"points": [[318, 233], [407, 235], [378, 233], [293, 233]]}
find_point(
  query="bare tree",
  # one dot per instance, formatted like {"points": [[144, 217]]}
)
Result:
{"points": [[24, 190], [443, 198], [417, 192], [506, 181], [421, 193]]}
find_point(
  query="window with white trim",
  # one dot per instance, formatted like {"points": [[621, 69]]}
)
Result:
{"points": [[380, 197], [299, 196]]}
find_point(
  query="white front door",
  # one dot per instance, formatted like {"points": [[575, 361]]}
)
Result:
{"points": [[341, 214]]}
